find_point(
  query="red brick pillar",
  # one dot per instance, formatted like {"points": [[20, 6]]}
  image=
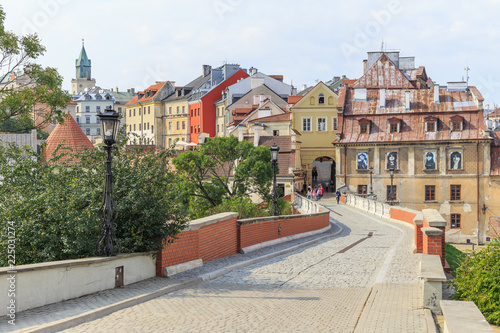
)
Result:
{"points": [[433, 242]]}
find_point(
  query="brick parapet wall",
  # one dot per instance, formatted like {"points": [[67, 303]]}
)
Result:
{"points": [[222, 235]]}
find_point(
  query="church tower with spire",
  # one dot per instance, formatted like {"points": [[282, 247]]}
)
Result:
{"points": [[83, 73]]}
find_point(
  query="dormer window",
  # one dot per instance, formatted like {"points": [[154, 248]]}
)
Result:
{"points": [[394, 125], [321, 99], [431, 124], [457, 123], [364, 126]]}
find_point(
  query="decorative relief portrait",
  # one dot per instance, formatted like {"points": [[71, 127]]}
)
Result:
{"points": [[363, 160], [456, 160], [430, 160], [392, 160]]}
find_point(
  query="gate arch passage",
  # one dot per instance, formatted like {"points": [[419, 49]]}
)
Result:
{"points": [[325, 167]]}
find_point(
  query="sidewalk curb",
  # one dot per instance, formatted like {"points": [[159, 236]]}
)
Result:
{"points": [[83, 318]]}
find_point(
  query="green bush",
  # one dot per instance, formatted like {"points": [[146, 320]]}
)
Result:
{"points": [[241, 205], [53, 207], [454, 257], [478, 280]]}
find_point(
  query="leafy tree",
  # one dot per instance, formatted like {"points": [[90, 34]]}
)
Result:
{"points": [[223, 168], [53, 206], [478, 280], [36, 89]]}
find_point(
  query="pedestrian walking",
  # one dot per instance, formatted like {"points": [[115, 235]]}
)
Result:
{"points": [[314, 174], [321, 192], [337, 195]]}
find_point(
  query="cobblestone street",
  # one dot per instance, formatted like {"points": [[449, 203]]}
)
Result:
{"points": [[326, 287]]}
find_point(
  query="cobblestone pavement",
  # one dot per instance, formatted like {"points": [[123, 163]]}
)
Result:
{"points": [[364, 280]]}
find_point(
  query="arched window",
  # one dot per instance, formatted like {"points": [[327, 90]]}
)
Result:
{"points": [[321, 99]]}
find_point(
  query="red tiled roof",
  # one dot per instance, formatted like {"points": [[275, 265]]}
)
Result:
{"points": [[154, 88], [68, 135], [384, 74], [277, 117], [293, 99], [495, 112]]}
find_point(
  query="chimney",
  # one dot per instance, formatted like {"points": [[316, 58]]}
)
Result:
{"points": [[364, 65], [256, 82], [304, 87], [336, 78], [256, 134], [407, 93], [436, 93], [206, 70], [116, 89], [132, 91], [382, 98], [294, 91]]}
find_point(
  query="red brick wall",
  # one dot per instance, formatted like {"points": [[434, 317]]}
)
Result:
{"points": [[218, 240], [255, 233], [433, 245], [418, 239], [402, 215], [224, 238]]}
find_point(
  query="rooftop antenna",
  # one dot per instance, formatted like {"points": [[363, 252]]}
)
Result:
{"points": [[382, 46], [467, 69], [83, 41]]}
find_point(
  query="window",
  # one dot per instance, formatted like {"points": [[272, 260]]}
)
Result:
{"points": [[134, 112], [198, 111], [148, 125], [394, 128], [87, 131], [191, 129], [321, 124], [98, 131], [170, 126], [456, 126], [456, 160], [430, 160], [98, 109], [183, 109], [178, 125], [170, 141], [191, 112], [169, 110], [149, 110], [97, 120], [198, 128], [363, 129], [306, 124], [130, 113], [431, 127], [218, 128], [276, 133], [335, 124], [183, 125], [77, 120], [119, 109], [321, 99], [77, 109], [87, 108], [140, 127], [391, 192], [178, 109], [87, 120], [140, 110], [130, 128], [455, 220], [362, 189], [152, 129], [455, 192], [430, 192], [134, 127]]}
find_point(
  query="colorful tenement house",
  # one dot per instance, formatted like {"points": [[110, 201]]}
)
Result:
{"points": [[432, 136], [202, 110], [143, 113], [314, 116]]}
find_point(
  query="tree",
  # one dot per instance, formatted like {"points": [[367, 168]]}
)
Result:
{"points": [[223, 168], [26, 86], [52, 207]]}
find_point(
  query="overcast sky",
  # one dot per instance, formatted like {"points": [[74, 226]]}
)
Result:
{"points": [[135, 43]]}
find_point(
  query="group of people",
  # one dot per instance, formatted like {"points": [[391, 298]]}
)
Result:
{"points": [[316, 193]]}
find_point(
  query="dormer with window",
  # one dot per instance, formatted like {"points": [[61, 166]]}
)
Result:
{"points": [[364, 126], [456, 123], [431, 124], [98, 97], [394, 125]]}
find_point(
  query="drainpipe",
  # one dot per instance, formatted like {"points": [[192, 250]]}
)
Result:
{"points": [[477, 167]]}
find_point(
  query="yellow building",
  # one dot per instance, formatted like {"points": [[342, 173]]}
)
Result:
{"points": [[144, 111], [314, 115], [175, 118]]}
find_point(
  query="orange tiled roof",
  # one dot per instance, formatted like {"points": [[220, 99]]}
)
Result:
{"points": [[68, 135], [155, 88], [293, 99]]}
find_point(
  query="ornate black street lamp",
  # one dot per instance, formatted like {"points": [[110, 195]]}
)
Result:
{"points": [[108, 244], [391, 192], [274, 159], [371, 180]]}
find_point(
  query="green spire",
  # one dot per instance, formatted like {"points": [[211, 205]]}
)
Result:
{"points": [[83, 65]]}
